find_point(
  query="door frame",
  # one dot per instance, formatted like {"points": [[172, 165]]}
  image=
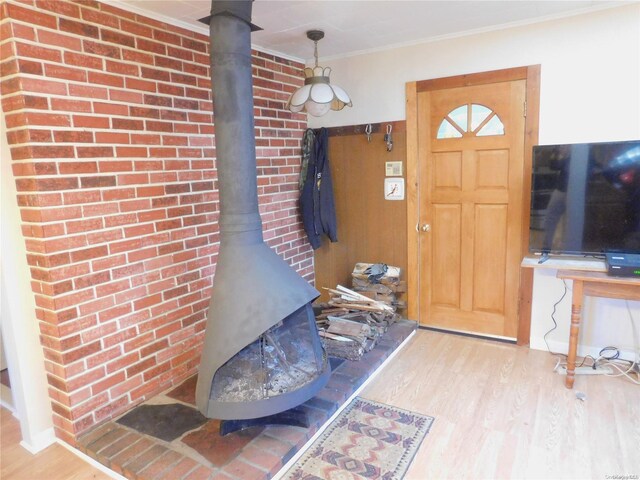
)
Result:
{"points": [[529, 73]]}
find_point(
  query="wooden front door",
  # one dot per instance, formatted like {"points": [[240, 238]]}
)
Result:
{"points": [[470, 191]]}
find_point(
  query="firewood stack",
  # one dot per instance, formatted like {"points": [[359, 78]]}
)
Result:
{"points": [[379, 282], [353, 320]]}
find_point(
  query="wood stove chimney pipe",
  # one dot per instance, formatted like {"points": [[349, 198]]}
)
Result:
{"points": [[254, 289]]}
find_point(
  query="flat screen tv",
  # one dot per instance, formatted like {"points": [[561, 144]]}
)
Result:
{"points": [[585, 198]]}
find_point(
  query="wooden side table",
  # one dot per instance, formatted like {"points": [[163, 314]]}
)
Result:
{"points": [[595, 284]]}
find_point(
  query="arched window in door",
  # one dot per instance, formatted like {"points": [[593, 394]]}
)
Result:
{"points": [[471, 120]]}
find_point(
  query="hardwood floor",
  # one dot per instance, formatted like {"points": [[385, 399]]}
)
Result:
{"points": [[53, 463], [501, 412]]}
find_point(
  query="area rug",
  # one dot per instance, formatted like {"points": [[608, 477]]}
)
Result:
{"points": [[368, 440]]}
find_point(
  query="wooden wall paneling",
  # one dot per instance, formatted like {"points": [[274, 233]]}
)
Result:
{"points": [[370, 228]]}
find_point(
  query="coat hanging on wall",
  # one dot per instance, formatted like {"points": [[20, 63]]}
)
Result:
{"points": [[316, 199]]}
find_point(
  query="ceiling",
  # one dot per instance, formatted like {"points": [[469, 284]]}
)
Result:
{"points": [[357, 26]]}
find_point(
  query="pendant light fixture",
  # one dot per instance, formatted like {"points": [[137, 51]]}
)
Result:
{"points": [[317, 96]]}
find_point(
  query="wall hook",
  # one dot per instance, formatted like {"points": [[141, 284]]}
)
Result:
{"points": [[388, 139], [367, 132]]}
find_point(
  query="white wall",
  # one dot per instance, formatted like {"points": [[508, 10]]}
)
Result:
{"points": [[590, 91], [20, 331]]}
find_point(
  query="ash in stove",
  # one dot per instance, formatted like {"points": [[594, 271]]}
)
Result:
{"points": [[283, 359]]}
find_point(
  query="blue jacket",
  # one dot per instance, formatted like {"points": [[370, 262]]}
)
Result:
{"points": [[316, 200]]}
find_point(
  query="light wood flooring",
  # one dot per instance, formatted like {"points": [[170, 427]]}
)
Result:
{"points": [[501, 412], [53, 463]]}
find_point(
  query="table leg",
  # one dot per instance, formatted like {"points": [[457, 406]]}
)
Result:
{"points": [[576, 313]]}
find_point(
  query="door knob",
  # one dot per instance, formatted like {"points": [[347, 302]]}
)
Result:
{"points": [[425, 227]]}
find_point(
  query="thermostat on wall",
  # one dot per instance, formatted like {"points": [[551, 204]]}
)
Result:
{"points": [[394, 188], [393, 169]]}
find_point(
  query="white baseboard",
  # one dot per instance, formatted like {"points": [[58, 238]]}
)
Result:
{"points": [[40, 441], [583, 350]]}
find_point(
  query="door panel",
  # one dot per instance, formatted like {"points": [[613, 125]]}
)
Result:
{"points": [[447, 221], [493, 169], [489, 260], [470, 150], [447, 171]]}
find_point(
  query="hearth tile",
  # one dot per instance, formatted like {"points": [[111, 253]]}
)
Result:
{"points": [[273, 445], [136, 465], [353, 382], [260, 452], [222, 476], [94, 435], [119, 445], [130, 453], [315, 417], [338, 382], [331, 395], [157, 468], [355, 369], [293, 435], [324, 405], [180, 469], [186, 391], [200, 473], [242, 470], [219, 450], [265, 460], [107, 439], [166, 422]]}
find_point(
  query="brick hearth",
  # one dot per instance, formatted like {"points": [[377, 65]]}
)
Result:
{"points": [[256, 453]]}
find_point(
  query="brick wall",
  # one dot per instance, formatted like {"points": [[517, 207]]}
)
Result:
{"points": [[109, 118]]}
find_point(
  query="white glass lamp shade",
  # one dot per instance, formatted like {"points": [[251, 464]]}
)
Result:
{"points": [[317, 96]]}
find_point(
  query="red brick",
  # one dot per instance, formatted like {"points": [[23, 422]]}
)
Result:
{"points": [[101, 49], [81, 60], [38, 85], [140, 152], [107, 383], [125, 96], [112, 36], [88, 91], [72, 136], [122, 68], [63, 8], [204, 473], [32, 51], [90, 152], [70, 105], [105, 79], [138, 57], [24, 32], [137, 84], [136, 28], [111, 137], [127, 124], [79, 28], [23, 66], [31, 16], [86, 121], [81, 353], [150, 46]]}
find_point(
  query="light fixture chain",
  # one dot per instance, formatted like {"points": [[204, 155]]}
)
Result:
{"points": [[315, 51]]}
